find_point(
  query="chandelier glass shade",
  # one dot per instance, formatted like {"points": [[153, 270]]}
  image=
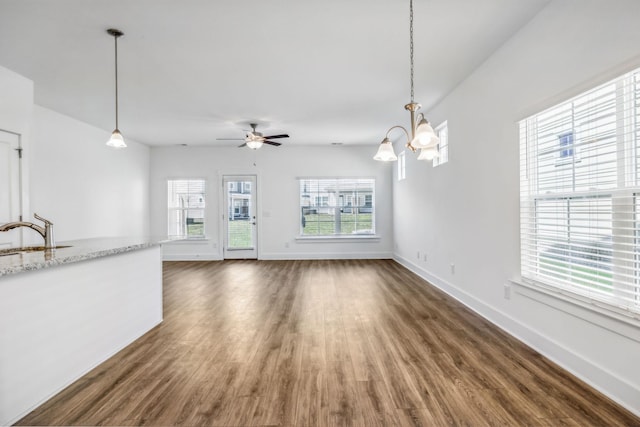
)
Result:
{"points": [[385, 152], [428, 153]]}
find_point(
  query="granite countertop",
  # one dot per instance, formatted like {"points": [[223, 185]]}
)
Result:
{"points": [[76, 250]]}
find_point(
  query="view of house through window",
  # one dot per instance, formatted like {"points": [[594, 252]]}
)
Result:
{"points": [[579, 194], [337, 206], [186, 205]]}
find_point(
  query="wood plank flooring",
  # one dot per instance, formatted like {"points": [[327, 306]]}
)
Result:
{"points": [[322, 343]]}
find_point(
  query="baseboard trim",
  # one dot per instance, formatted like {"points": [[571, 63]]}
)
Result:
{"points": [[616, 388], [191, 257], [324, 255]]}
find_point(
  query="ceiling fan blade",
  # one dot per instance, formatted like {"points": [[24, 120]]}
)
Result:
{"points": [[243, 145], [277, 144], [284, 135]]}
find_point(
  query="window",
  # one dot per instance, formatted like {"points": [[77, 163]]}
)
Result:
{"points": [[579, 191], [443, 146], [402, 162], [337, 206], [186, 208]]}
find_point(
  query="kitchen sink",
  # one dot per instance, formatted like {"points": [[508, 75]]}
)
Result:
{"points": [[26, 249]]}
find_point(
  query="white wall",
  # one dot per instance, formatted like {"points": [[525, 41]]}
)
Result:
{"points": [[16, 115], [466, 212], [69, 175], [278, 196], [84, 187]]}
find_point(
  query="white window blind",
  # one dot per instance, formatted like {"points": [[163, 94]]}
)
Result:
{"points": [[579, 192], [337, 206], [186, 206]]}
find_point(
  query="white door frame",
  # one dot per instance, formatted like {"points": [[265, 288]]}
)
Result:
{"points": [[15, 143], [239, 253]]}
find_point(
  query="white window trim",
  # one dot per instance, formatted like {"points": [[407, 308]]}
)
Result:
{"points": [[339, 237], [402, 166], [438, 161], [180, 238], [620, 321], [605, 304], [346, 238]]}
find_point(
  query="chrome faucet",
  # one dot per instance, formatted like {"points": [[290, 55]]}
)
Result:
{"points": [[46, 232]]}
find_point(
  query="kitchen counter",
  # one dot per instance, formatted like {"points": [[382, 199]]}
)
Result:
{"points": [[77, 250], [65, 311]]}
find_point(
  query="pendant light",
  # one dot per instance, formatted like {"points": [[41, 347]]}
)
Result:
{"points": [[116, 140], [422, 134]]}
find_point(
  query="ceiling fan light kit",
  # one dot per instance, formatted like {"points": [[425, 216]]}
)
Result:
{"points": [[422, 135], [254, 144], [255, 139], [116, 140]]}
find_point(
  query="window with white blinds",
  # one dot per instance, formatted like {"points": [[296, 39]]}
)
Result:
{"points": [[186, 206], [579, 195], [337, 206]]}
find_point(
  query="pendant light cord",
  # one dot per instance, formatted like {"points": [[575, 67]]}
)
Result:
{"points": [[411, 43], [115, 38]]}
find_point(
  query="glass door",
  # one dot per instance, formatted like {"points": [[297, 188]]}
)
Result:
{"points": [[240, 217]]}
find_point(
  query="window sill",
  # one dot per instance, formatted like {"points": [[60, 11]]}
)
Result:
{"points": [[344, 238], [190, 240], [616, 319]]}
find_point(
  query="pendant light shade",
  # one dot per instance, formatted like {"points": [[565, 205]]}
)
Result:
{"points": [[385, 152], [116, 140]]}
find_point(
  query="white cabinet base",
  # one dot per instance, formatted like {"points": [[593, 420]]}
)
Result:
{"points": [[58, 323]]}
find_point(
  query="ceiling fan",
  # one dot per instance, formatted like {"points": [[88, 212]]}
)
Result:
{"points": [[255, 139]]}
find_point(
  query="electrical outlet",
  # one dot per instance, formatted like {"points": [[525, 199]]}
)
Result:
{"points": [[418, 255], [507, 291], [286, 244], [453, 268], [424, 256]]}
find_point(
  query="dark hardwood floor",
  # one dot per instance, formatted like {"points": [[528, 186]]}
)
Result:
{"points": [[306, 343]]}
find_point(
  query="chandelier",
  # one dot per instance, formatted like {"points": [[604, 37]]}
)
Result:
{"points": [[422, 136]]}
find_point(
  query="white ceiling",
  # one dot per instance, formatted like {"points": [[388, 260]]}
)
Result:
{"points": [[191, 71]]}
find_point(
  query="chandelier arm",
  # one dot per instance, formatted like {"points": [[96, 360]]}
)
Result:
{"points": [[408, 144], [398, 127]]}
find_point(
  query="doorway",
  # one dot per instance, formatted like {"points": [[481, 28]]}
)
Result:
{"points": [[239, 217], [10, 187]]}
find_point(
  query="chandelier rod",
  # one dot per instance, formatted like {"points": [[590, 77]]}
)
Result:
{"points": [[411, 44]]}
